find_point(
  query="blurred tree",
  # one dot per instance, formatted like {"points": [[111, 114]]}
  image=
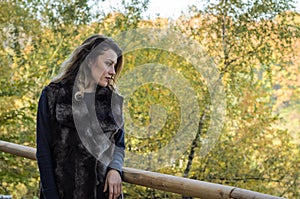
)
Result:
{"points": [[251, 43], [246, 39], [35, 39]]}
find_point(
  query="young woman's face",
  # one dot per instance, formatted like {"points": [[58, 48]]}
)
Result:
{"points": [[103, 69]]}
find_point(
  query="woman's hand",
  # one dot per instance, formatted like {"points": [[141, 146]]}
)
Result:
{"points": [[113, 182]]}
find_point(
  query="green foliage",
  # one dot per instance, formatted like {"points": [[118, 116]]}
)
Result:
{"points": [[244, 39], [249, 42]]}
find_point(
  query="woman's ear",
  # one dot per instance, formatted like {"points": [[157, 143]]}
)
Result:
{"points": [[90, 64]]}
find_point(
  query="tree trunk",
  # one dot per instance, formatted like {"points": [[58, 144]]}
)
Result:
{"points": [[194, 145]]}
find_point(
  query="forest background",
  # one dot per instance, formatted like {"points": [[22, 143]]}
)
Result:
{"points": [[253, 45]]}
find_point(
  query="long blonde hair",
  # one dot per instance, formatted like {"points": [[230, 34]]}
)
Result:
{"points": [[76, 70]]}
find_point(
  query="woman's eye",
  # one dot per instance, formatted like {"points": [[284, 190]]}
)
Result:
{"points": [[109, 63]]}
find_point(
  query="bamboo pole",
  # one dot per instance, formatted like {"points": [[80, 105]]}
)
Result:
{"points": [[189, 187], [18, 150], [184, 186]]}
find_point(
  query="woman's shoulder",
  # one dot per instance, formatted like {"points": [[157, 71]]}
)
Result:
{"points": [[52, 89], [115, 91], [117, 94], [117, 98], [54, 85]]}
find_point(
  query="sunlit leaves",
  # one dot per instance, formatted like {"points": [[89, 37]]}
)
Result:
{"points": [[254, 44]]}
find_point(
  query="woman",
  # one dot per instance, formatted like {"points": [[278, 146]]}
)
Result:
{"points": [[80, 136]]}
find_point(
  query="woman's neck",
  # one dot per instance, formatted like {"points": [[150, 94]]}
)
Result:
{"points": [[91, 88]]}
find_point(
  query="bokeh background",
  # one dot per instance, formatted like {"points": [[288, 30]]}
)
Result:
{"points": [[253, 44]]}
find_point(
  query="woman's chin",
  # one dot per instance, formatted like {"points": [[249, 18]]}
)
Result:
{"points": [[103, 84]]}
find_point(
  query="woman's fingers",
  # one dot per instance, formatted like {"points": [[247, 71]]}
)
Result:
{"points": [[114, 183], [114, 191], [119, 189], [105, 186]]}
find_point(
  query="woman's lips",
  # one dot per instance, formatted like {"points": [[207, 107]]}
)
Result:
{"points": [[108, 79]]}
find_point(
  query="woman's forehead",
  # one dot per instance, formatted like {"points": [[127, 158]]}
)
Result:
{"points": [[109, 54]]}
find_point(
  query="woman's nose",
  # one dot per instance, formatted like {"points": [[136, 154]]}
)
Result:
{"points": [[112, 71]]}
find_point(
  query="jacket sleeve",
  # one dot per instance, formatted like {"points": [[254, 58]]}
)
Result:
{"points": [[118, 156], [43, 140]]}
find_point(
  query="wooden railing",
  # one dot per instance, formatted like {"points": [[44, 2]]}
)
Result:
{"points": [[183, 186]]}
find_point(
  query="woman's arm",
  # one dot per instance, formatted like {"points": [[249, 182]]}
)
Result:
{"points": [[118, 155], [43, 154], [113, 182]]}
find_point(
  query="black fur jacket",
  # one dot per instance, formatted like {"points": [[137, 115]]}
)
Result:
{"points": [[83, 144]]}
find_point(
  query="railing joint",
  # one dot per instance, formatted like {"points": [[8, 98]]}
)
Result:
{"points": [[230, 193]]}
